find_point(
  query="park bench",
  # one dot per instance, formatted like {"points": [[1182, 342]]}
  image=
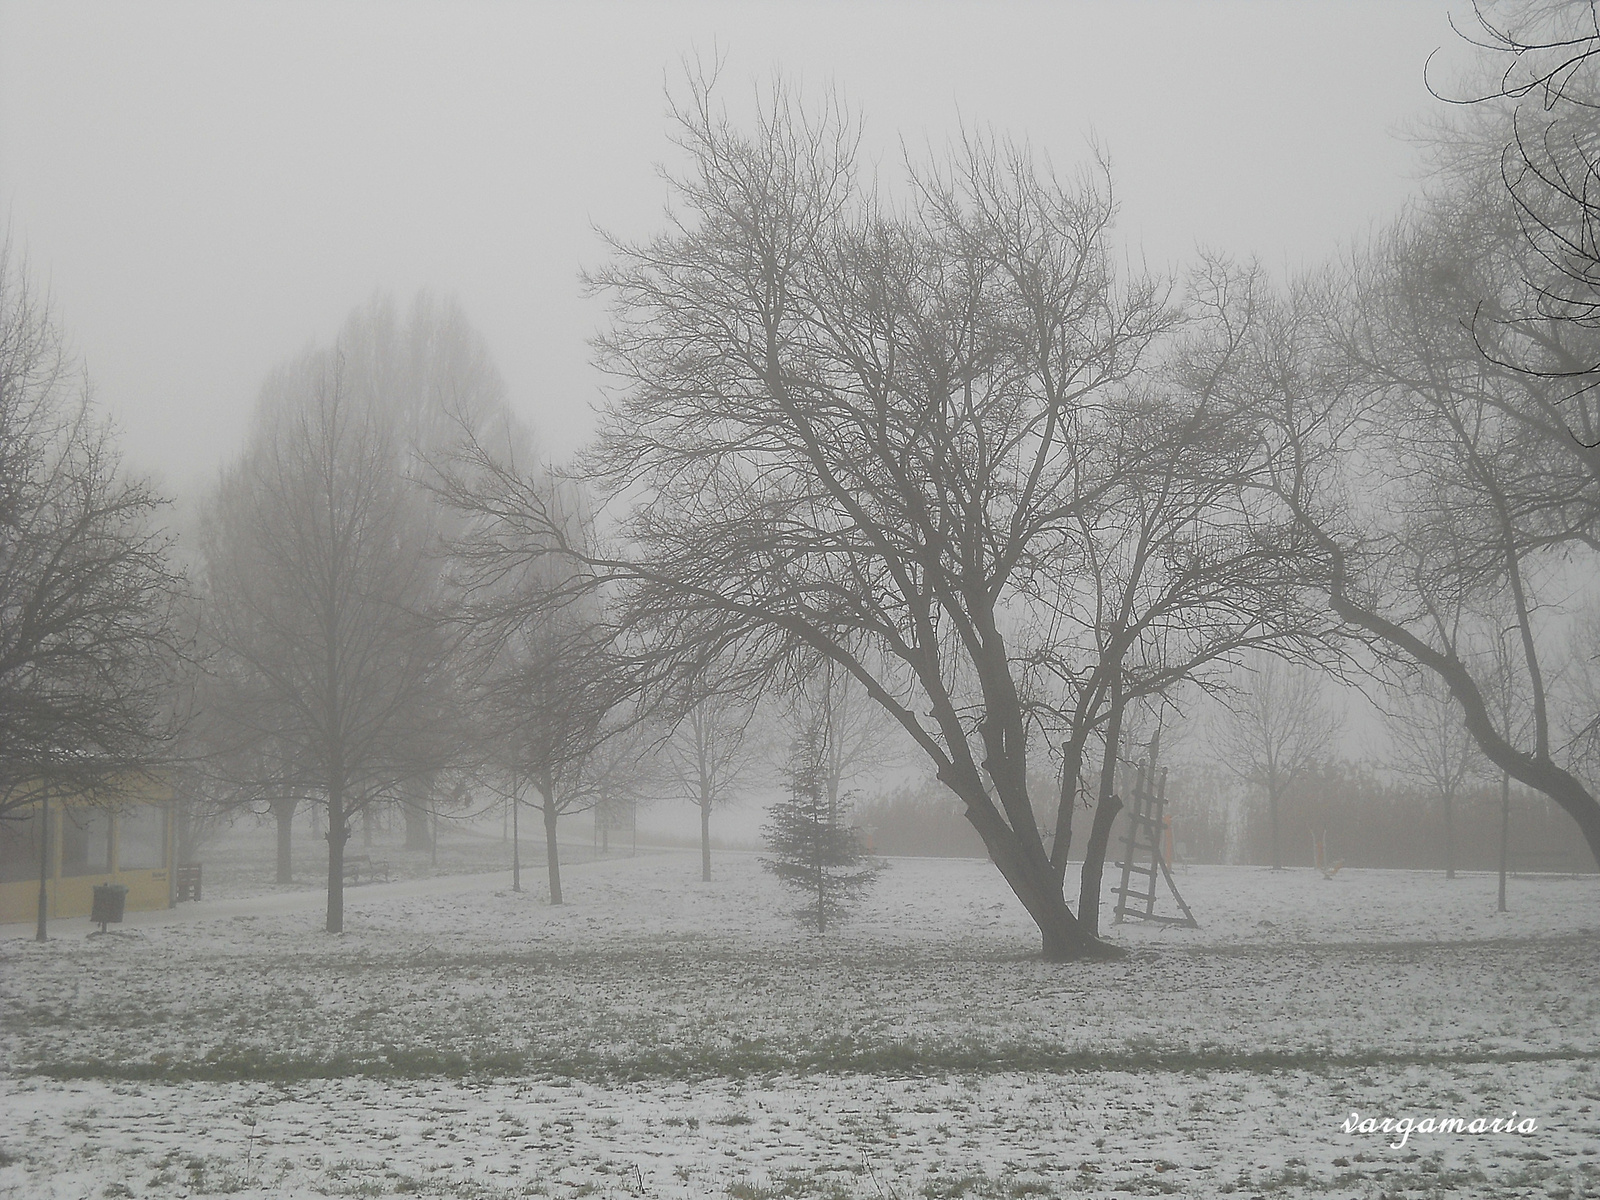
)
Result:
{"points": [[188, 882], [359, 866]]}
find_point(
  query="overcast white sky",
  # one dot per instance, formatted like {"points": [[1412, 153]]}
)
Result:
{"points": [[208, 188]]}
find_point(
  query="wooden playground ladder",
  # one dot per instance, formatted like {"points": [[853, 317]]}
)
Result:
{"points": [[1146, 827]]}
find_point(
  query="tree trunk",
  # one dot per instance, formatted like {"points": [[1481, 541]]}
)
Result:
{"points": [[705, 842], [416, 825], [1505, 836], [1061, 839], [1094, 862], [40, 934], [1105, 815], [338, 834], [822, 881], [1272, 813], [1065, 938], [283, 813], [551, 852], [1449, 839], [516, 845]]}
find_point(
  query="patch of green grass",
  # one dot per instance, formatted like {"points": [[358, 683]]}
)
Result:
{"points": [[792, 1185], [900, 1058]]}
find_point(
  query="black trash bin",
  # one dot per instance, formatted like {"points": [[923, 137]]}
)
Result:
{"points": [[109, 901]]}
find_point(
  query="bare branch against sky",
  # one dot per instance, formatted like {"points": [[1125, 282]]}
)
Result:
{"points": [[207, 188]]}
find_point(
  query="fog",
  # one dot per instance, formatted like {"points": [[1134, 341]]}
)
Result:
{"points": [[799, 600], [207, 189]]}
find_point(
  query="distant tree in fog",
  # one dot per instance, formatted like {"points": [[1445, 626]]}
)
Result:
{"points": [[552, 705], [319, 583], [708, 756], [552, 687], [856, 735], [335, 682], [1279, 727], [1432, 747]]}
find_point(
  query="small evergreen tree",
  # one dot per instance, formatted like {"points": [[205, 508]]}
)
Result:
{"points": [[813, 850]]}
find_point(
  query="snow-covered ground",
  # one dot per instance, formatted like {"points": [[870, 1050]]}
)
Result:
{"points": [[660, 1036]]}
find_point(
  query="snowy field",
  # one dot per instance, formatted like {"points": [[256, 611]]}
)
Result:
{"points": [[658, 1036]]}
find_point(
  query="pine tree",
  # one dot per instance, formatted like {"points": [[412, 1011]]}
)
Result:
{"points": [[813, 850]]}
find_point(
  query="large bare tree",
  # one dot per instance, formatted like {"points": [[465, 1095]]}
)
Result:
{"points": [[319, 577], [1436, 473], [90, 600], [91, 628], [873, 436]]}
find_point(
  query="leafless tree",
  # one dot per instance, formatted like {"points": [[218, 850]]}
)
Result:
{"points": [[1435, 478], [1179, 568], [872, 437], [90, 620], [554, 689], [1432, 747], [552, 703], [1280, 727], [319, 578], [1538, 138], [91, 635], [853, 735], [708, 757]]}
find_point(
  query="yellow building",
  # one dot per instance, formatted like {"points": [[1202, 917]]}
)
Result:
{"points": [[133, 843]]}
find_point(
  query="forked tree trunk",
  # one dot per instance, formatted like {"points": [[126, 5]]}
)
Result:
{"points": [[283, 813], [1034, 882], [338, 834]]}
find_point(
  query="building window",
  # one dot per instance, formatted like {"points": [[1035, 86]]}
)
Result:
{"points": [[19, 845], [85, 840], [141, 837]]}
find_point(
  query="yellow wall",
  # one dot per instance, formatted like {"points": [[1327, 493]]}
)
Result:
{"points": [[73, 895]]}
